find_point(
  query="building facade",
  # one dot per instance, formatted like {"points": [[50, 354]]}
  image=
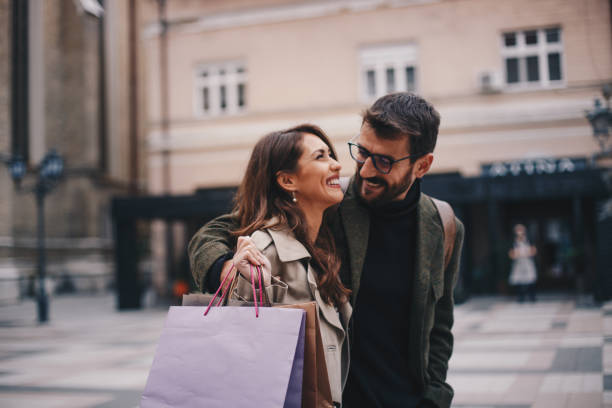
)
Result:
{"points": [[64, 85], [511, 79]]}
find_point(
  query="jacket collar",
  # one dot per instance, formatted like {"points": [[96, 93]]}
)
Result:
{"points": [[429, 245], [287, 246], [356, 222]]}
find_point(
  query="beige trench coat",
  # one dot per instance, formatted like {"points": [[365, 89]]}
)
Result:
{"points": [[293, 281]]}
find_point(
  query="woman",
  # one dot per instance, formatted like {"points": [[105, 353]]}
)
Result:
{"points": [[291, 183], [523, 273]]}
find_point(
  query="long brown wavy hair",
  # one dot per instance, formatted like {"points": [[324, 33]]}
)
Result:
{"points": [[260, 199]]}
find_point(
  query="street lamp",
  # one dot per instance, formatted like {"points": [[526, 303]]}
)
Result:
{"points": [[601, 118], [49, 171]]}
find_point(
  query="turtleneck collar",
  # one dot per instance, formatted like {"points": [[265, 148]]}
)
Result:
{"points": [[397, 208]]}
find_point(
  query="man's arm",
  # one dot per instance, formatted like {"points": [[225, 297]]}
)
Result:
{"points": [[438, 391], [210, 243]]}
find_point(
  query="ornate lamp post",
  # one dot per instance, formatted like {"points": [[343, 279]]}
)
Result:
{"points": [[601, 119], [48, 172]]}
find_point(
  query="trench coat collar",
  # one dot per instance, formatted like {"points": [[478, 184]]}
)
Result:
{"points": [[356, 222], [289, 249]]}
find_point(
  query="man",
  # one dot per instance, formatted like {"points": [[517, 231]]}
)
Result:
{"points": [[391, 239]]}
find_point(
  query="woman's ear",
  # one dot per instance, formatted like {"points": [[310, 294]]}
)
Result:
{"points": [[286, 181]]}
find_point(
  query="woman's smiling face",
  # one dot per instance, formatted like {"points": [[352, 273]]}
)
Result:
{"points": [[317, 177]]}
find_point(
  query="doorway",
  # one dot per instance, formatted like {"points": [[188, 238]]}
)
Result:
{"points": [[549, 226]]}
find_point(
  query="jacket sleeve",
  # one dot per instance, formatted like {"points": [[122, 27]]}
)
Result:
{"points": [[211, 241], [437, 390]]}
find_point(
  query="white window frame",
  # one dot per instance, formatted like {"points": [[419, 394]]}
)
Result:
{"points": [[522, 50], [231, 79], [379, 59]]}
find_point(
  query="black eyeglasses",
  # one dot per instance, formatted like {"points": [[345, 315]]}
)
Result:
{"points": [[381, 162]]}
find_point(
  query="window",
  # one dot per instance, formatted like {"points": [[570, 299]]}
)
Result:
{"points": [[533, 58], [387, 69], [220, 89]]}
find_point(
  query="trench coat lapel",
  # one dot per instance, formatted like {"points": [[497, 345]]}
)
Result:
{"points": [[328, 311], [290, 249], [356, 222]]}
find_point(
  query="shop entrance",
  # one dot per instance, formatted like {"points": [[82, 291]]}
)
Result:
{"points": [[550, 226]]}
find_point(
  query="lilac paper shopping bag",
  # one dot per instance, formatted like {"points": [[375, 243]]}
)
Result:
{"points": [[228, 358]]}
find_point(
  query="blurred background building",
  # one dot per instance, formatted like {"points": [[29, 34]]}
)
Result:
{"points": [[66, 83], [172, 95]]}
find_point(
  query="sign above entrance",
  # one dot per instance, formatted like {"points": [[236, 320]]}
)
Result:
{"points": [[531, 167]]}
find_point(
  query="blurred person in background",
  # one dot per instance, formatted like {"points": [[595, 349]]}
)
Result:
{"points": [[523, 274], [290, 187], [391, 239]]}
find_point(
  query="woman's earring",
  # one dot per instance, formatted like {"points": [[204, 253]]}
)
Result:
{"points": [[294, 199]]}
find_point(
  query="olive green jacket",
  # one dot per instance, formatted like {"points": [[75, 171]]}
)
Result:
{"points": [[431, 341]]}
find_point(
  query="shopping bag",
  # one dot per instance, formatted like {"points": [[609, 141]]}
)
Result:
{"points": [[316, 391], [230, 357]]}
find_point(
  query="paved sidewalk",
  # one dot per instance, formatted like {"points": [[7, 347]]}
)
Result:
{"points": [[88, 355], [547, 354]]}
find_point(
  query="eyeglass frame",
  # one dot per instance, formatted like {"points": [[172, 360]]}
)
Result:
{"points": [[374, 155]]}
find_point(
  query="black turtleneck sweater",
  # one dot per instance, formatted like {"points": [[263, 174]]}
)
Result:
{"points": [[379, 373]]}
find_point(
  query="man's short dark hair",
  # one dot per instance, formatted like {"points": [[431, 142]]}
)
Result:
{"points": [[404, 114]]}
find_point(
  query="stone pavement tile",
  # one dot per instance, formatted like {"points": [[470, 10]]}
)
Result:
{"points": [[607, 326], [592, 383], [145, 361], [552, 383], [524, 390], [571, 383], [584, 400], [585, 322], [52, 400], [551, 401], [27, 377], [463, 320], [489, 360], [124, 379], [558, 325], [607, 358], [578, 359], [587, 383], [481, 384], [549, 307], [519, 325], [540, 360], [573, 340], [78, 356], [607, 398], [566, 307], [497, 343], [607, 382], [476, 400]]}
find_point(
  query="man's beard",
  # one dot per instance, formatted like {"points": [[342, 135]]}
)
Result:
{"points": [[389, 192]]}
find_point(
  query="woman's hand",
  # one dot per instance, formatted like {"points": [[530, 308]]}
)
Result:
{"points": [[246, 255]]}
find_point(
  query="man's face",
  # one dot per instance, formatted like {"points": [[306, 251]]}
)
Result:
{"points": [[374, 187]]}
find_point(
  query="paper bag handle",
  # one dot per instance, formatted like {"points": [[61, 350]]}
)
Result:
{"points": [[225, 292]]}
